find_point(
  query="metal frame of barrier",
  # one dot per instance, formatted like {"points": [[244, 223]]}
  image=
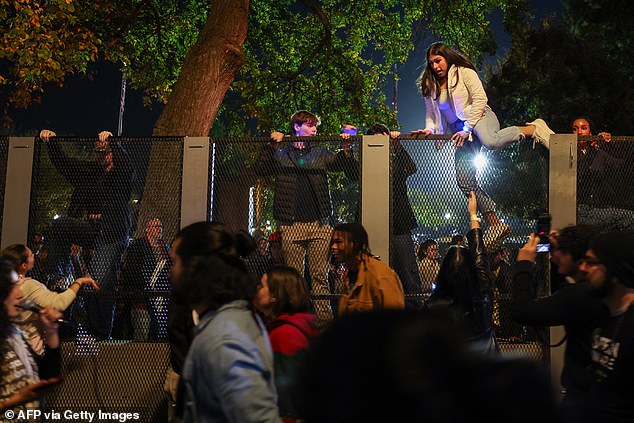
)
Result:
{"points": [[375, 199]]}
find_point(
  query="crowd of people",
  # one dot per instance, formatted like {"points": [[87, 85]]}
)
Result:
{"points": [[255, 334]]}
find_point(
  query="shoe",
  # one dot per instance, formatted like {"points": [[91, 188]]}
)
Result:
{"points": [[542, 132], [495, 236]]}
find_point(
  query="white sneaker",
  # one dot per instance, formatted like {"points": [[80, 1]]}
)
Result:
{"points": [[495, 236], [542, 132]]}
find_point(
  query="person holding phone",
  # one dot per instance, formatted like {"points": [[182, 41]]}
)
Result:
{"points": [[571, 305], [456, 105]]}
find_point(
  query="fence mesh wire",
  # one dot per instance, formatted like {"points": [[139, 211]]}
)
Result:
{"points": [[512, 182], [604, 191], [92, 222], [86, 203]]}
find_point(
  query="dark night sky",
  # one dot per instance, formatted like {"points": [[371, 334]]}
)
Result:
{"points": [[85, 107]]}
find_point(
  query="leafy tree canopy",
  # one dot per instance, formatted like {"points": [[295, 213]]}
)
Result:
{"points": [[575, 65], [331, 56], [579, 64]]}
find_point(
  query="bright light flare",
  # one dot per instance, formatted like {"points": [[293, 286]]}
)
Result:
{"points": [[480, 162]]}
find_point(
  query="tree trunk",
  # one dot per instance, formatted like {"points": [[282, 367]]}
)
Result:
{"points": [[208, 70]]}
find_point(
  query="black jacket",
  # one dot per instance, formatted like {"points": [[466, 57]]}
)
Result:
{"points": [[403, 220], [571, 306], [315, 162], [96, 193]]}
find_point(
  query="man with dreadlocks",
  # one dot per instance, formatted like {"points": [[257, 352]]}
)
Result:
{"points": [[368, 284]]}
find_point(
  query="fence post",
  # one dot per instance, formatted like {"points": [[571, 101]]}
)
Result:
{"points": [[195, 183], [562, 205], [17, 193], [375, 193]]}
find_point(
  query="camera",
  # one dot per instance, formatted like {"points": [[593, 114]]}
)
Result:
{"points": [[542, 231]]}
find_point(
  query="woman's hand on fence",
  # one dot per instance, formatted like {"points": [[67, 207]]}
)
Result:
{"points": [[459, 138]]}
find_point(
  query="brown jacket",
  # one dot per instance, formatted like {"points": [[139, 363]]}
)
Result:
{"points": [[377, 287]]}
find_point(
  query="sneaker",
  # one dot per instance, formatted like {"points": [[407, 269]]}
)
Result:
{"points": [[542, 132], [495, 236]]}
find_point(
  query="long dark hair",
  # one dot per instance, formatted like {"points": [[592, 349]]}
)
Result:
{"points": [[456, 275], [427, 82]]}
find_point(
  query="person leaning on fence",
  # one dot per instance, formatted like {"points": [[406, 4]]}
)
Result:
{"points": [[601, 197], [283, 298], [302, 204], [367, 283], [464, 288], [228, 374], [23, 372], [572, 306], [456, 105], [36, 292], [98, 216]]}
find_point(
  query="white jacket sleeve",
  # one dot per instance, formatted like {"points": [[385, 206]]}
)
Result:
{"points": [[40, 295], [479, 99]]}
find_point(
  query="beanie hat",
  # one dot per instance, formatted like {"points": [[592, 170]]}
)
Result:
{"points": [[616, 252]]}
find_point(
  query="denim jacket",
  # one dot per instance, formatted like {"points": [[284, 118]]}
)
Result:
{"points": [[228, 373]]}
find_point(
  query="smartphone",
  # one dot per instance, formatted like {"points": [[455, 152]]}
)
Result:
{"points": [[350, 130], [542, 231]]}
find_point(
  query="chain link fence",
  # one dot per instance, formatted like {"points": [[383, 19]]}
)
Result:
{"points": [[87, 216]]}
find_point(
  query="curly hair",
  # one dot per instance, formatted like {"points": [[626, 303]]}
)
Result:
{"points": [[357, 235], [427, 82]]}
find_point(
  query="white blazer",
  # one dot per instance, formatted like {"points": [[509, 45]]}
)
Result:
{"points": [[468, 98]]}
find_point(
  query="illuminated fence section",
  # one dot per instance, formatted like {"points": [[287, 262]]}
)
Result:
{"points": [[513, 180]]}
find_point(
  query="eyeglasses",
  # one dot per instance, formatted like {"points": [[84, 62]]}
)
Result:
{"points": [[591, 261]]}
